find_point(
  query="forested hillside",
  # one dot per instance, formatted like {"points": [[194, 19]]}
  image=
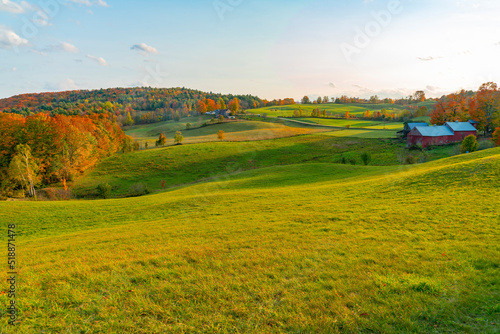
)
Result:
{"points": [[145, 105]]}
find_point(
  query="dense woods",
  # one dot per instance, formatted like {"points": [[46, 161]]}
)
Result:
{"points": [[41, 149]]}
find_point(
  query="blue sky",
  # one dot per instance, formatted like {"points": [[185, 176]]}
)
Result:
{"points": [[273, 49]]}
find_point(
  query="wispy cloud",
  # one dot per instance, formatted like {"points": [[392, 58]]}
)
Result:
{"points": [[11, 7], [99, 60], [63, 46], [9, 39], [332, 85], [144, 48], [89, 3], [429, 58]]}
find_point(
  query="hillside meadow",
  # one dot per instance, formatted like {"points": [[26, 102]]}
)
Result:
{"points": [[303, 248], [163, 168]]}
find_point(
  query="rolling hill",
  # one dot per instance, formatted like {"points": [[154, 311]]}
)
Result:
{"points": [[296, 248]]}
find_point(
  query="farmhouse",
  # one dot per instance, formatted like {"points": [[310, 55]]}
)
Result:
{"points": [[450, 132]]}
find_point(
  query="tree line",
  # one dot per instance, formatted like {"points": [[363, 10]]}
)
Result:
{"points": [[131, 105], [40, 149], [482, 106]]}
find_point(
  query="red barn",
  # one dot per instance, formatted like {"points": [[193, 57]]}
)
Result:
{"points": [[451, 132]]}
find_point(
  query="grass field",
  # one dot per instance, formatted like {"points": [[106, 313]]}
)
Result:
{"points": [[354, 123], [305, 248], [331, 108], [234, 131], [186, 164]]}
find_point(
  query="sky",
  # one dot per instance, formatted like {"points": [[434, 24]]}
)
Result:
{"points": [[269, 48]]}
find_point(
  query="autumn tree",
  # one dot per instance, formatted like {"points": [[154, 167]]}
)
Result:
{"points": [[419, 96], [129, 120], [496, 137], [486, 109], [222, 103], [306, 100], [162, 140], [454, 107], [201, 107], [347, 116], [178, 138], [221, 135], [234, 106], [23, 169]]}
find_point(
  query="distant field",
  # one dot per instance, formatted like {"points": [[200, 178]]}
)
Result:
{"points": [[313, 247], [354, 123], [234, 131], [331, 108], [363, 133]]}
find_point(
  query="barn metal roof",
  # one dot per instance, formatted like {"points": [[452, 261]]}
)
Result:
{"points": [[461, 126], [435, 131], [413, 125]]}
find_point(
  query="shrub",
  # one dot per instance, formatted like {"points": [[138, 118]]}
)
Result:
{"points": [[348, 126], [188, 126], [343, 160], [352, 161], [366, 158], [469, 144], [416, 147], [138, 189], [104, 190], [411, 160]]}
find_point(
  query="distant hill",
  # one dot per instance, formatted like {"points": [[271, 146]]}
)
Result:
{"points": [[146, 105]]}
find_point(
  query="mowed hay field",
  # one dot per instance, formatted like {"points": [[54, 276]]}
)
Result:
{"points": [[233, 130], [304, 248]]}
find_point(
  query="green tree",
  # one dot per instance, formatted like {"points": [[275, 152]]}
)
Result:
{"points": [[188, 126], [469, 144], [366, 158], [104, 190], [23, 169], [178, 138]]}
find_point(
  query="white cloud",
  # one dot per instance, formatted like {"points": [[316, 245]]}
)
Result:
{"points": [[68, 84], [63, 46], [9, 39], [100, 3], [144, 48], [332, 85], [429, 58], [99, 60], [11, 7]]}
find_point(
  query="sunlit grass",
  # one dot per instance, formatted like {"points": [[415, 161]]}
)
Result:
{"points": [[305, 248]]}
